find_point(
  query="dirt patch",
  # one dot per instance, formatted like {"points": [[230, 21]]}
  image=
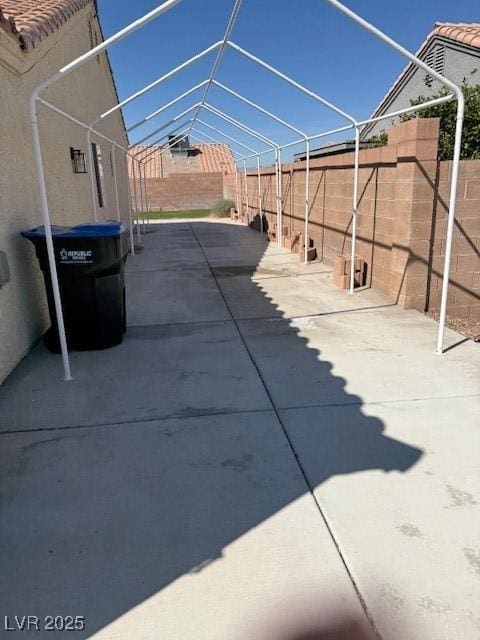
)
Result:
{"points": [[468, 328]]}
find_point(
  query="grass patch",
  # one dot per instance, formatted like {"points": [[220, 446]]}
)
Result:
{"points": [[171, 215]]}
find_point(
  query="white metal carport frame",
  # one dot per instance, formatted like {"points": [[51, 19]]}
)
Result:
{"points": [[35, 99], [158, 151]]}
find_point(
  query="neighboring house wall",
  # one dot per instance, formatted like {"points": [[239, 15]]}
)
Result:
{"points": [[85, 93], [455, 61], [402, 216]]}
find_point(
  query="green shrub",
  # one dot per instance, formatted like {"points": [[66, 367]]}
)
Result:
{"points": [[222, 208], [379, 141], [447, 112]]}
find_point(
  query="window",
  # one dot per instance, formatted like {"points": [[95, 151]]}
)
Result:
{"points": [[99, 173]]}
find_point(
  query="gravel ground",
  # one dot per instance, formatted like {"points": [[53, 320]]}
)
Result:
{"points": [[468, 328]]}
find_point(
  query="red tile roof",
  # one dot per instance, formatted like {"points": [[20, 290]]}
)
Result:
{"points": [[216, 157], [466, 33], [213, 158], [32, 20]]}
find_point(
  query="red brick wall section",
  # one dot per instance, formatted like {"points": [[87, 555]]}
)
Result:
{"points": [[401, 220], [184, 191]]}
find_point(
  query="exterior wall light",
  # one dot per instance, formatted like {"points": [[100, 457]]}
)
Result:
{"points": [[78, 161]]}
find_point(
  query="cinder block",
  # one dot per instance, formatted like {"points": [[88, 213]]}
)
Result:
{"points": [[340, 281], [298, 247], [341, 272], [341, 265]]}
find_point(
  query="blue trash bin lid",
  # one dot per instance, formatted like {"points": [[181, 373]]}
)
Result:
{"points": [[107, 229]]}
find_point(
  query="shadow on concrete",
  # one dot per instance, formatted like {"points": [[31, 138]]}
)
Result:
{"points": [[99, 518]]}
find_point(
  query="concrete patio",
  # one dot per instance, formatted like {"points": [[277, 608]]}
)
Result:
{"points": [[263, 458]]}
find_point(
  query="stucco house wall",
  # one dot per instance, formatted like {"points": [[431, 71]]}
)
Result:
{"points": [[460, 62], [85, 93]]}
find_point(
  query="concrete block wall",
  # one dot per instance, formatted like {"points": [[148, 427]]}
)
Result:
{"points": [[464, 296], [401, 219], [185, 191], [230, 187]]}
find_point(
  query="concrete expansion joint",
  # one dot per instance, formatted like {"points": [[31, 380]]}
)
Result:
{"points": [[179, 324], [365, 310], [156, 419], [292, 449], [366, 403]]}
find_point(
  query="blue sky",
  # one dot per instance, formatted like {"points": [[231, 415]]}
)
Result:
{"points": [[306, 39]]}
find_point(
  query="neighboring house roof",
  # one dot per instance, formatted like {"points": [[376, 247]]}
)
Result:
{"points": [[331, 150], [32, 20], [466, 34], [463, 32], [210, 158], [216, 158]]}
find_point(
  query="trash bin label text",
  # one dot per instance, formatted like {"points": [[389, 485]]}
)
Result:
{"points": [[69, 256]]}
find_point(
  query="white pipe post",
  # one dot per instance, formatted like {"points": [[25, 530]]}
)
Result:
{"points": [[93, 186], [280, 201], [277, 191], [142, 195], [140, 201], [48, 237], [147, 202], [246, 190], [354, 210], [307, 197], [142, 191], [259, 187], [130, 214], [115, 182], [142, 198], [136, 199], [450, 223], [142, 178], [236, 189], [134, 181]]}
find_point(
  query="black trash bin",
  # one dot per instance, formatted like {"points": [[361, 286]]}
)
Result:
{"points": [[90, 262]]}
